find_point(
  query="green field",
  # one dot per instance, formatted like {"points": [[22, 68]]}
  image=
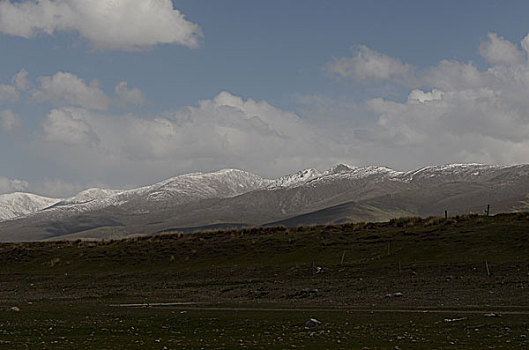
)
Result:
{"points": [[374, 285]]}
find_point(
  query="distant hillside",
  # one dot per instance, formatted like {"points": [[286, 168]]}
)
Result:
{"points": [[460, 239], [234, 198]]}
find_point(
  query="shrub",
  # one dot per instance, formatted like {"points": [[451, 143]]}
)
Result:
{"points": [[407, 221]]}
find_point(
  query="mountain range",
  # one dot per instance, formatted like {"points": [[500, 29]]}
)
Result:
{"points": [[235, 198]]}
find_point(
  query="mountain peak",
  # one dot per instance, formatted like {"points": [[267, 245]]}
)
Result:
{"points": [[17, 204], [89, 195], [299, 178], [339, 168]]}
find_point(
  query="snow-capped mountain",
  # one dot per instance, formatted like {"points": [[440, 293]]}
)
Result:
{"points": [[18, 204], [221, 184], [177, 190], [230, 195]]}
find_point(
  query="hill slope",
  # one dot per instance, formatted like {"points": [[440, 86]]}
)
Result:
{"points": [[236, 198]]}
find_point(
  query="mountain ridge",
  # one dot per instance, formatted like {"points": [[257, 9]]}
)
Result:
{"points": [[185, 182], [235, 196]]}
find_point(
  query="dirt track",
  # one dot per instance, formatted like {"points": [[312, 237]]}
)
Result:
{"points": [[190, 307]]}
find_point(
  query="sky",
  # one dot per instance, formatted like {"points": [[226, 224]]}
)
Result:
{"points": [[123, 93]]}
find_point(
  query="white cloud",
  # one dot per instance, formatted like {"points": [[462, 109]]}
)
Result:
{"points": [[525, 44], [68, 89], [9, 120], [8, 94], [369, 64], [8, 185], [454, 112], [127, 25], [453, 75], [461, 114], [420, 96], [54, 188], [69, 126], [20, 80], [475, 117], [128, 96], [497, 50], [226, 131]]}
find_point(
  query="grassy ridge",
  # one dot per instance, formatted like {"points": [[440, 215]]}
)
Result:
{"points": [[462, 239]]}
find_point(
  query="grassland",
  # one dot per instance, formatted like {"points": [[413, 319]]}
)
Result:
{"points": [[380, 286]]}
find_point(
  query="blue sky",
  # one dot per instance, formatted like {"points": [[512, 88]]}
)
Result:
{"points": [[266, 86]]}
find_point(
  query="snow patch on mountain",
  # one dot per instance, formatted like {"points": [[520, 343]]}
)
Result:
{"points": [[363, 172], [299, 178], [91, 194], [451, 171], [345, 172], [18, 204], [340, 168], [220, 184], [312, 177]]}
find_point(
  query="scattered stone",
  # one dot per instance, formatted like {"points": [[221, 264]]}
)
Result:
{"points": [[307, 290], [394, 295], [15, 308], [312, 323], [455, 319]]}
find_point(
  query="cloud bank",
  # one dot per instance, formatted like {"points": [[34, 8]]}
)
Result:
{"points": [[226, 131], [460, 113], [8, 185], [454, 112], [125, 25]]}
